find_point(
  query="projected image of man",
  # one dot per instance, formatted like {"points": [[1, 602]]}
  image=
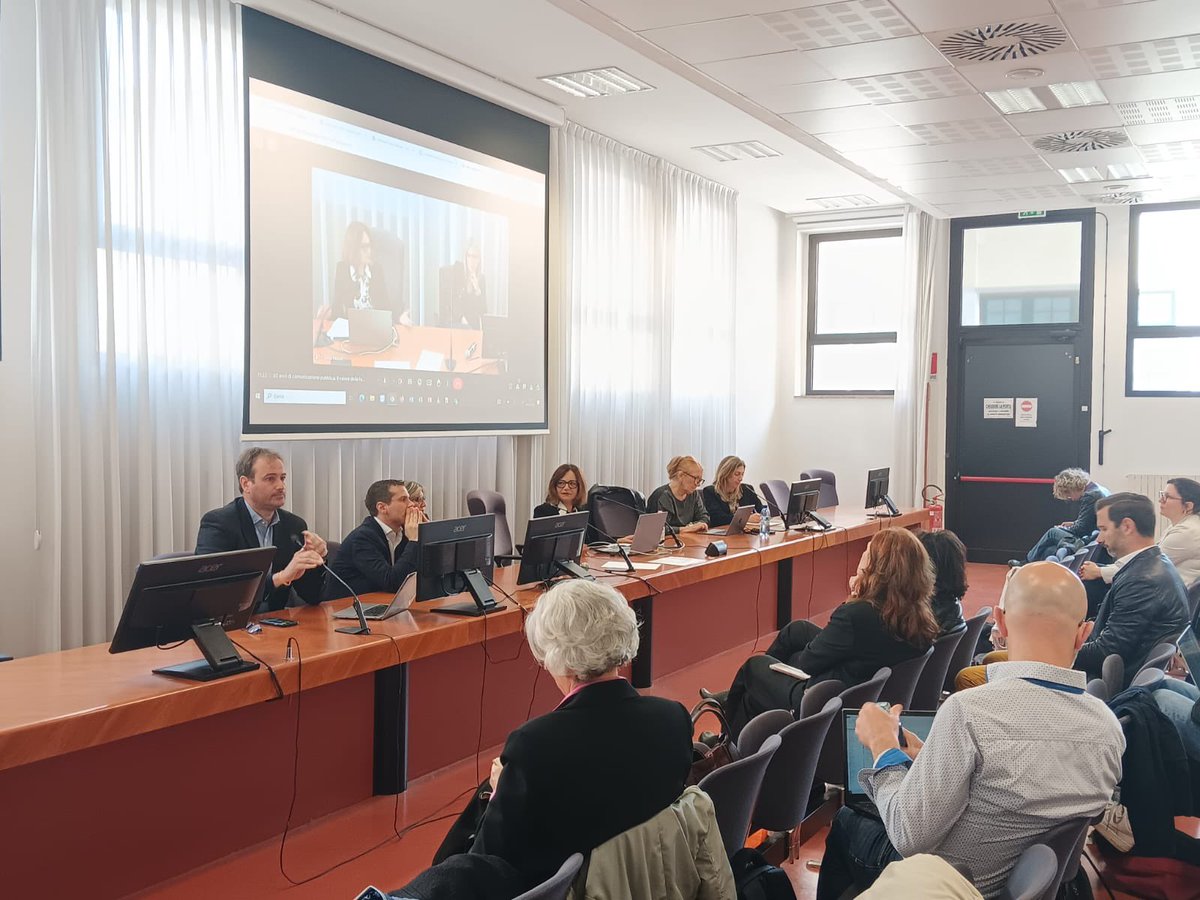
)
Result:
{"points": [[381, 552], [463, 299]]}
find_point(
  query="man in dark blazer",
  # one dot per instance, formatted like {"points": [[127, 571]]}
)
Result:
{"points": [[1147, 603], [258, 519], [381, 552]]}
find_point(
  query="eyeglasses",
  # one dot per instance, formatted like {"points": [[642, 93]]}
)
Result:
{"points": [[567, 484], [1164, 496], [699, 479]]}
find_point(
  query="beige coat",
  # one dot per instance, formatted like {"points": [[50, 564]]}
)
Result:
{"points": [[677, 855]]}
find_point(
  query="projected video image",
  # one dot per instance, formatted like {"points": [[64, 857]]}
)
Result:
{"points": [[410, 281]]}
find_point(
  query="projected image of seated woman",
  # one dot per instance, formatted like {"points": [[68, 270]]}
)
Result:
{"points": [[463, 291], [358, 280]]}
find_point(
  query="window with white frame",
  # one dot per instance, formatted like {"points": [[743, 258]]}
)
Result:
{"points": [[1163, 340], [854, 287]]}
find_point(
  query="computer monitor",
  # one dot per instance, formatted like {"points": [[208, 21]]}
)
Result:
{"points": [[802, 503], [194, 598], [877, 492], [553, 545], [456, 557]]}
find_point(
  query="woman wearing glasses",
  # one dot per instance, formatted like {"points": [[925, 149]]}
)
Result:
{"points": [[566, 493], [1179, 504], [680, 497]]}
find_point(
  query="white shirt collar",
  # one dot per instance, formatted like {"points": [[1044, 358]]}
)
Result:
{"points": [[388, 532], [1124, 560]]}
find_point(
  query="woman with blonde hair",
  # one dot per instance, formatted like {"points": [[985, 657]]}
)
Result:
{"points": [[680, 497], [727, 492], [887, 620]]}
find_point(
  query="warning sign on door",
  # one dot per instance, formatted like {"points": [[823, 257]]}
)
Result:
{"points": [[997, 407], [1026, 412]]}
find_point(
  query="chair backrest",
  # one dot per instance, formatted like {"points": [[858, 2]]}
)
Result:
{"points": [[1148, 678], [1112, 670], [783, 798], [480, 503], [618, 518], [174, 554], [898, 690], [1066, 840], [760, 728], [1159, 657], [1097, 688], [818, 695], [332, 548], [734, 792], [1193, 598], [557, 885], [776, 493], [829, 494], [961, 657], [929, 686], [830, 764], [1035, 871]]}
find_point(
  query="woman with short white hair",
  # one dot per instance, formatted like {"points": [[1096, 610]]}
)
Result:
{"points": [[602, 761], [1074, 486]]}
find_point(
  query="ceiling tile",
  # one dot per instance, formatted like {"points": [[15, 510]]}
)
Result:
{"points": [[878, 57], [850, 118], [1172, 152], [723, 39], [786, 98], [870, 138], [1165, 132], [962, 130], [1044, 192], [640, 15], [907, 156], [1162, 85], [1056, 68], [851, 22], [1095, 158], [906, 87], [1145, 57], [1065, 119], [1076, 5], [790, 67], [1148, 112], [945, 109], [1169, 168], [937, 15], [976, 196], [962, 183], [1133, 22]]}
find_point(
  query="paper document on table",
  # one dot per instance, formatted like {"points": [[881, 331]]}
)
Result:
{"points": [[678, 561], [615, 566], [339, 330]]}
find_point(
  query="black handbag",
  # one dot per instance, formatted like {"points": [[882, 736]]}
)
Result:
{"points": [[707, 757]]}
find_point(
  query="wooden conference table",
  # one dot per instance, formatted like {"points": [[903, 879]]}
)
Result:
{"points": [[134, 777], [462, 345]]}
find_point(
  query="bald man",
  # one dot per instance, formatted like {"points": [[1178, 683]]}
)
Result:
{"points": [[1004, 763]]}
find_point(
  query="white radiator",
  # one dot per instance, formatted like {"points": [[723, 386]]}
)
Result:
{"points": [[1150, 485]]}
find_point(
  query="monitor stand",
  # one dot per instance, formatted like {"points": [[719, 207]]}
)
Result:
{"points": [[574, 569], [478, 588], [221, 658], [892, 509], [819, 521]]}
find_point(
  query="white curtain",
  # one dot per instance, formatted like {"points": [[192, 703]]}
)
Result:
{"points": [[642, 333], [925, 256]]}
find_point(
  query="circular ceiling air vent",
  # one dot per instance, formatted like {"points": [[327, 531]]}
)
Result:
{"points": [[1009, 40], [1077, 141], [1123, 197]]}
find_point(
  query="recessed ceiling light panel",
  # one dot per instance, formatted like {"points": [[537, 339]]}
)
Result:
{"points": [[597, 83], [1007, 40], [1064, 95], [738, 151]]}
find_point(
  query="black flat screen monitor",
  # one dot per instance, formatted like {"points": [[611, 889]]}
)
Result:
{"points": [[456, 557], [194, 598], [553, 545], [802, 503], [877, 492]]}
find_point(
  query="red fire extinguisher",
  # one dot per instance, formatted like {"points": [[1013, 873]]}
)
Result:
{"points": [[932, 496]]}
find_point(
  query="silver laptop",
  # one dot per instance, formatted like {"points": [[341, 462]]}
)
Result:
{"points": [[370, 327], [402, 601], [648, 533], [738, 525]]}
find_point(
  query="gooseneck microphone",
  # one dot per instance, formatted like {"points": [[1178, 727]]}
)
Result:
{"points": [[620, 549], [361, 628]]}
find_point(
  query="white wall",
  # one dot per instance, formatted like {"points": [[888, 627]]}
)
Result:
{"points": [[19, 629]]}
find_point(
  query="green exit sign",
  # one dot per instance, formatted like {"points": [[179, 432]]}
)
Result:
{"points": [[1032, 214]]}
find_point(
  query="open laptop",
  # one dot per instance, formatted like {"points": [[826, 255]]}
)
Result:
{"points": [[1190, 648], [370, 328], [402, 601], [648, 533], [738, 525], [859, 757]]}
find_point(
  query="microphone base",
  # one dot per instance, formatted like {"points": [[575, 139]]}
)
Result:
{"points": [[353, 629]]}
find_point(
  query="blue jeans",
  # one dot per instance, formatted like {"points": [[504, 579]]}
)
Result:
{"points": [[856, 852], [1176, 698], [1048, 543]]}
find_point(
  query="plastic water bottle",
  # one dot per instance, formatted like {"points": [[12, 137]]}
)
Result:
{"points": [[764, 523]]}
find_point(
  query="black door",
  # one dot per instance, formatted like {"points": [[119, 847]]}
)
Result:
{"points": [[1020, 376]]}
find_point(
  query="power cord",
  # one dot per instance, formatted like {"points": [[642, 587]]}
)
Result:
{"points": [[266, 665]]}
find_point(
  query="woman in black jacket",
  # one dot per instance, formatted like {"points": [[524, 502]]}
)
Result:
{"points": [[566, 493], [727, 492], [887, 620], [949, 558]]}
